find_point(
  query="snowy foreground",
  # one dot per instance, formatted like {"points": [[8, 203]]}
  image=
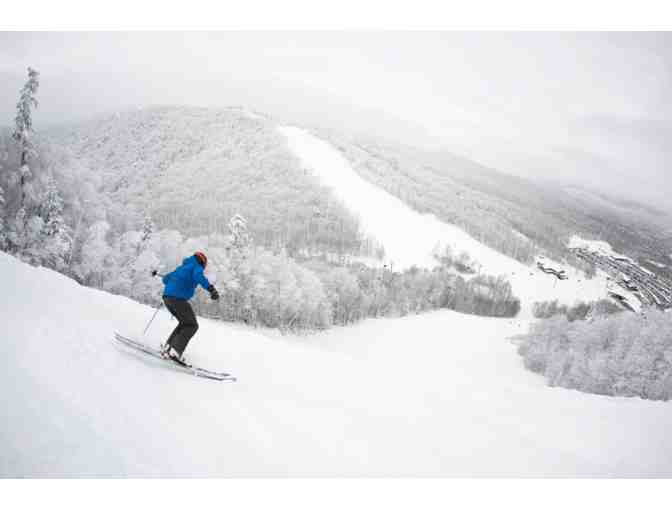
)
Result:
{"points": [[437, 394]]}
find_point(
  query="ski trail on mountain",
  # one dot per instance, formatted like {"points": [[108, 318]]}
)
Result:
{"points": [[410, 238]]}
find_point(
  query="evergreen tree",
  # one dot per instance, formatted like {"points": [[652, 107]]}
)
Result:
{"points": [[16, 232], [24, 126], [52, 209], [240, 234], [240, 244], [55, 236], [3, 237]]}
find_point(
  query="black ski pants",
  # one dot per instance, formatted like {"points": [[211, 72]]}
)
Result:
{"points": [[187, 325]]}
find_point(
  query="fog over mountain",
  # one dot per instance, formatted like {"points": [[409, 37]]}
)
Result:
{"points": [[592, 108]]}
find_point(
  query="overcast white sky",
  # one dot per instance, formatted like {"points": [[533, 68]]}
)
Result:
{"points": [[590, 107]]}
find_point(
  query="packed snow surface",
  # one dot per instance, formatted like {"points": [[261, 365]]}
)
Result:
{"points": [[441, 394], [409, 238]]}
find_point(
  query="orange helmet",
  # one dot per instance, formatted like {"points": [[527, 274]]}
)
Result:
{"points": [[202, 259]]}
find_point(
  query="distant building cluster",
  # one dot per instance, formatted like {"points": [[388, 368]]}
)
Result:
{"points": [[650, 289], [558, 273]]}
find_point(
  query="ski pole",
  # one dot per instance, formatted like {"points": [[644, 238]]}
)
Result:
{"points": [[152, 319], [154, 273]]}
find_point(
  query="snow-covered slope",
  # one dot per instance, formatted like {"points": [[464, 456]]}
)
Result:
{"points": [[436, 394], [409, 238]]}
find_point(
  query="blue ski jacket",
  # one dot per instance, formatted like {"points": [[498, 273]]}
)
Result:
{"points": [[181, 283]]}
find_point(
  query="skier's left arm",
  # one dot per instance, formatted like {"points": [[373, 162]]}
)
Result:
{"points": [[200, 278]]}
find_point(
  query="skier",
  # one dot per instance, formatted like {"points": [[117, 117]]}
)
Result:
{"points": [[179, 288]]}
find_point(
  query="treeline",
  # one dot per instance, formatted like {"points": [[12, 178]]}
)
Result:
{"points": [[578, 311], [622, 354], [264, 288], [275, 290]]}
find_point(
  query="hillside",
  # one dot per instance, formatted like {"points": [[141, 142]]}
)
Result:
{"points": [[411, 238], [199, 166], [435, 395], [192, 169], [516, 216]]}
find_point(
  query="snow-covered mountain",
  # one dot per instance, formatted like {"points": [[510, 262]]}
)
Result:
{"points": [[193, 168], [411, 238], [438, 394], [504, 211]]}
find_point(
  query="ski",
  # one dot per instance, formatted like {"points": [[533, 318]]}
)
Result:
{"points": [[186, 368]]}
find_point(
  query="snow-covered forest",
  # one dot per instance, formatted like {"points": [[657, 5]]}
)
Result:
{"points": [[108, 201], [623, 354]]}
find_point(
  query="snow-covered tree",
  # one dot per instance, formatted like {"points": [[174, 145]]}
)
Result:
{"points": [[133, 259], [124, 251], [344, 293], [620, 354], [56, 238], [240, 249], [3, 236], [24, 235], [95, 257], [43, 237], [143, 287], [24, 126], [240, 234], [148, 229], [16, 228]]}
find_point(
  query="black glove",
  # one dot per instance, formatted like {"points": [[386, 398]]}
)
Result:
{"points": [[154, 272], [214, 295]]}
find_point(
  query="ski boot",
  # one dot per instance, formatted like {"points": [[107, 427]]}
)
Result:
{"points": [[164, 348], [171, 354]]}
